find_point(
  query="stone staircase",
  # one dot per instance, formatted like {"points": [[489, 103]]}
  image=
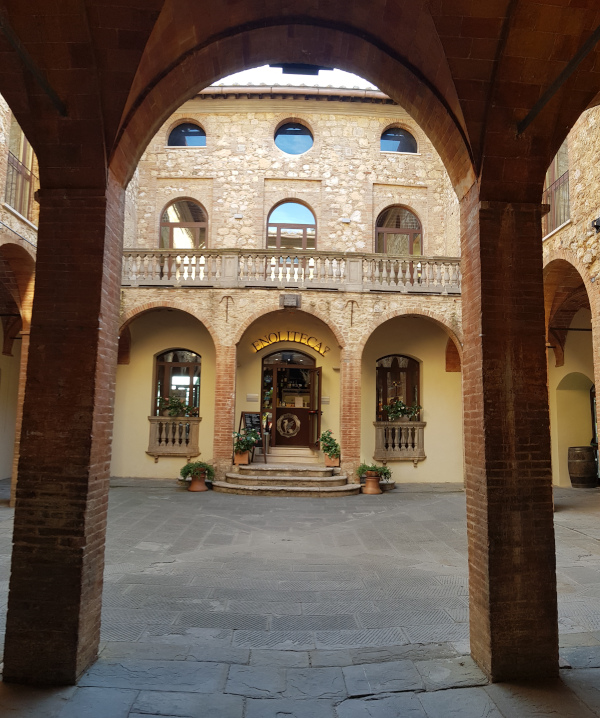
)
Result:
{"points": [[286, 479], [289, 455]]}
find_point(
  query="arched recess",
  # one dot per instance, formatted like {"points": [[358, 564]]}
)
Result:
{"points": [[290, 331], [572, 424], [314, 41], [154, 330], [439, 394], [453, 332], [565, 293]]}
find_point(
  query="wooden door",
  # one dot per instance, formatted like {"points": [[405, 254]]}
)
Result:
{"points": [[296, 406]]}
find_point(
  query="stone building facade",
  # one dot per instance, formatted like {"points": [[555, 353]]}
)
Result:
{"points": [[361, 304]]}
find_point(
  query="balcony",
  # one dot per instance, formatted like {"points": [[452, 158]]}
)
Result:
{"points": [[557, 196], [21, 185], [341, 271], [399, 441], [174, 436]]}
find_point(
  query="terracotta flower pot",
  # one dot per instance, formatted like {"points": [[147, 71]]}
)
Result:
{"points": [[241, 457], [330, 461], [372, 483], [198, 482]]}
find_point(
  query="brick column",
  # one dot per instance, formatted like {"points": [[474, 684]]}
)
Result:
{"points": [[226, 358], [19, 417], [54, 603], [512, 579], [350, 411]]}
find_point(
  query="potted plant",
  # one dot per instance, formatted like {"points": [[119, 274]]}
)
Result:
{"points": [[376, 478], [174, 406], [197, 472], [244, 442], [397, 410], [330, 448]]}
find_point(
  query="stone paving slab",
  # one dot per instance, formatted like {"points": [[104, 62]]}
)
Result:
{"points": [[444, 673], [375, 678], [194, 677], [459, 703], [187, 705], [287, 708], [397, 706], [99, 703]]}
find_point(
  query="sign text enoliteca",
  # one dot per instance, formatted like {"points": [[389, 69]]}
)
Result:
{"points": [[290, 336]]}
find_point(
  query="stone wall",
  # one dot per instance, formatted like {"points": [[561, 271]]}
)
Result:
{"points": [[344, 174]]}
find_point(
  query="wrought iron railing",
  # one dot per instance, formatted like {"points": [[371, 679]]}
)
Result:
{"points": [[557, 196], [21, 185]]}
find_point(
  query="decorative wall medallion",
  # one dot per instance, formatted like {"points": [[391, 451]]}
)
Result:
{"points": [[288, 425]]}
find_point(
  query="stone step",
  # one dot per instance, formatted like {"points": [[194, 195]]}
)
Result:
{"points": [[278, 480], [301, 491], [289, 455], [285, 469]]}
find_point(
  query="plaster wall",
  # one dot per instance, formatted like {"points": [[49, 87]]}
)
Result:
{"points": [[440, 397], [569, 396], [151, 334], [9, 385]]}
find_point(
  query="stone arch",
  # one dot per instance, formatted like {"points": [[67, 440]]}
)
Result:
{"points": [[567, 288], [256, 43], [140, 309], [452, 332], [316, 313]]}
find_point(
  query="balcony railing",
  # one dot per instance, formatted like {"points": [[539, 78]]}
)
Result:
{"points": [[399, 441], [341, 271], [557, 196], [21, 185], [174, 436]]}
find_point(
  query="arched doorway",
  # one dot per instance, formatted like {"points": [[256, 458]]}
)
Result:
{"points": [[291, 398]]}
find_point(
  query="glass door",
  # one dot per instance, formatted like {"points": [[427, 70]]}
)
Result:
{"points": [[314, 414]]}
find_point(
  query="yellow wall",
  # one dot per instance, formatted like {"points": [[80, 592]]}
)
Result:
{"points": [[249, 362], [151, 334], [440, 397], [9, 384], [569, 396]]}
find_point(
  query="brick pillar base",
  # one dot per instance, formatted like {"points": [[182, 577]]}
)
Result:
{"points": [[350, 412], [226, 360], [512, 576], [53, 622]]}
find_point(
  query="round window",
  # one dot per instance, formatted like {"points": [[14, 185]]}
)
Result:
{"points": [[293, 138]]}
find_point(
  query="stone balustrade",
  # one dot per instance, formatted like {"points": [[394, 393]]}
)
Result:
{"points": [[399, 441], [174, 436], [350, 271]]}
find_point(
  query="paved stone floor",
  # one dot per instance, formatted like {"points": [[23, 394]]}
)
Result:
{"points": [[246, 607]]}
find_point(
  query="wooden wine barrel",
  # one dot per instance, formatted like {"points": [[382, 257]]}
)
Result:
{"points": [[582, 467]]}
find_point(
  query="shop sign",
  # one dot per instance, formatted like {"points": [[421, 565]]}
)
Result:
{"points": [[297, 337]]}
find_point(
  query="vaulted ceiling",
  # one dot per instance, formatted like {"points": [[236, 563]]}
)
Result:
{"points": [[496, 84]]}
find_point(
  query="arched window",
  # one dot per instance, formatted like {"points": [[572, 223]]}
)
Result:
{"points": [[395, 139], [397, 378], [187, 134], [398, 231], [293, 138], [291, 227], [183, 226], [178, 375]]}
